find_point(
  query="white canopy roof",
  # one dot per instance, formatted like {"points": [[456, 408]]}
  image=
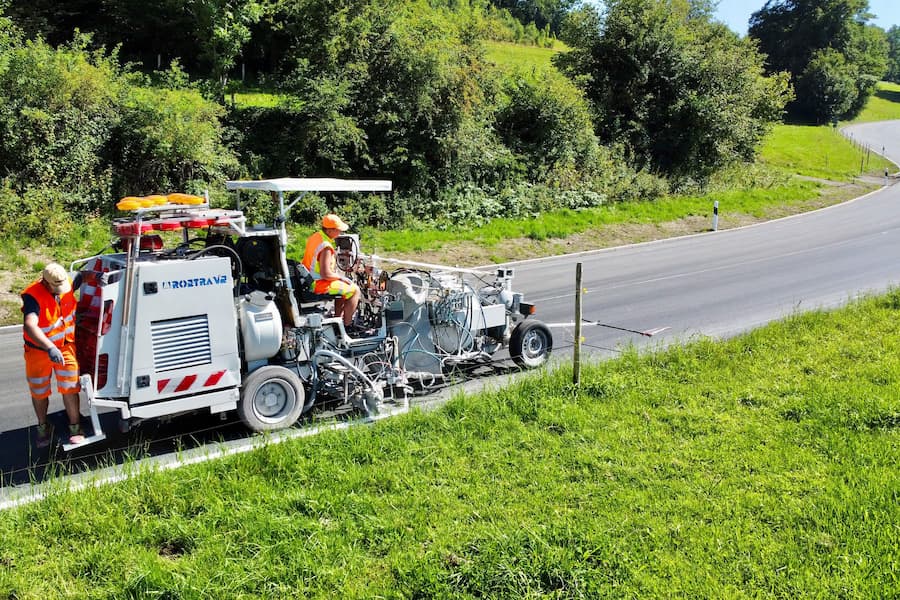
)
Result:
{"points": [[321, 184]]}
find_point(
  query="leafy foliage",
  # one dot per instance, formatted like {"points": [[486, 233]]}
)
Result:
{"points": [[893, 41], [206, 35], [75, 128], [394, 88], [684, 95], [402, 89], [546, 122], [542, 13], [168, 140], [834, 58], [57, 110]]}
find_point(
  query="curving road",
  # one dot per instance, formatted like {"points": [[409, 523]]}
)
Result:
{"points": [[715, 284]]}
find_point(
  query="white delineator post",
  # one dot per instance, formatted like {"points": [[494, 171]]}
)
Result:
{"points": [[576, 358], [715, 226]]}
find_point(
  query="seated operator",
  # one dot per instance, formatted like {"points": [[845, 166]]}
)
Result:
{"points": [[320, 259]]}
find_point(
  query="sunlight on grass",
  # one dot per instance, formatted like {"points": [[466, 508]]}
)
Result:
{"points": [[509, 55], [818, 152], [751, 467], [883, 106], [256, 99], [563, 223]]}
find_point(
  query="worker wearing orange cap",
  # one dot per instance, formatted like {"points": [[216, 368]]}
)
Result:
{"points": [[320, 259]]}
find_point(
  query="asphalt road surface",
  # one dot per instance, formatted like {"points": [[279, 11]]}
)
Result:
{"points": [[715, 284]]}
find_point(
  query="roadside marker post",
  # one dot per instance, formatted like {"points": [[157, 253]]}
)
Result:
{"points": [[576, 358], [715, 226]]}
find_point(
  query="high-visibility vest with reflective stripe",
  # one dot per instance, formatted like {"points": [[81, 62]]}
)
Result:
{"points": [[56, 320], [314, 245]]}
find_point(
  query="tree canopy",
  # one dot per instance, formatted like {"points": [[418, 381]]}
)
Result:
{"points": [[893, 40], [684, 94], [833, 56]]}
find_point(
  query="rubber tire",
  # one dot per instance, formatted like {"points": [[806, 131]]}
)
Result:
{"points": [[287, 388], [522, 342]]}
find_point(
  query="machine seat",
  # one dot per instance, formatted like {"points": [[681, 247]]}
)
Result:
{"points": [[301, 281]]}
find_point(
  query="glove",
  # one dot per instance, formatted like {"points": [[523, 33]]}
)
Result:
{"points": [[56, 355]]}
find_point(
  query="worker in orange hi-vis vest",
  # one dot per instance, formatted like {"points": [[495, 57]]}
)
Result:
{"points": [[320, 259], [48, 306]]}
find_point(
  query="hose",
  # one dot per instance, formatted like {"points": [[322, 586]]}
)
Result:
{"points": [[236, 260], [350, 366]]}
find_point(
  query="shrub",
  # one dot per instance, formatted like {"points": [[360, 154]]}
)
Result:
{"points": [[74, 127], [37, 213], [546, 122], [57, 110], [168, 140]]}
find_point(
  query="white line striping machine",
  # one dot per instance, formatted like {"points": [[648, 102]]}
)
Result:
{"points": [[225, 321]]}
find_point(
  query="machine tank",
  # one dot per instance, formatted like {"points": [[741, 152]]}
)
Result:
{"points": [[260, 326]]}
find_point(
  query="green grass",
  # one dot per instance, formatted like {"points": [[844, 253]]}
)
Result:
{"points": [[883, 106], [755, 467], [563, 223], [820, 152], [255, 99], [509, 55]]}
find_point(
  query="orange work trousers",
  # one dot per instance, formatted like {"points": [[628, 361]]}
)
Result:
{"points": [[39, 368]]}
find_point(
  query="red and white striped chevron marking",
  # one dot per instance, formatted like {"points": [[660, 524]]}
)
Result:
{"points": [[189, 383], [90, 294]]}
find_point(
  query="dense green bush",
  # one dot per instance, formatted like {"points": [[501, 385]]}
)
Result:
{"points": [[683, 95], [398, 89], [546, 122], [834, 57], [74, 127], [37, 213], [168, 140], [401, 90], [58, 107]]}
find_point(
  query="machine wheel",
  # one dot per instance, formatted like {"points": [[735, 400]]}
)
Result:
{"points": [[530, 344], [271, 398]]}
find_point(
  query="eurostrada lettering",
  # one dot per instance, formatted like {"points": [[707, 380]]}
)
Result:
{"points": [[178, 284]]}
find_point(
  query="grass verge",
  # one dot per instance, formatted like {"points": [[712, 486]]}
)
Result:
{"points": [[755, 467], [819, 152], [564, 223]]}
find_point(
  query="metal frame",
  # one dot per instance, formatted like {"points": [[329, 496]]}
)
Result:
{"points": [[279, 187]]}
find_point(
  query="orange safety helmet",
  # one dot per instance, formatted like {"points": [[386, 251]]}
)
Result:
{"points": [[334, 222]]}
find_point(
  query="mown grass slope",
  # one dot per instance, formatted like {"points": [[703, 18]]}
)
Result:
{"points": [[821, 152], [764, 466]]}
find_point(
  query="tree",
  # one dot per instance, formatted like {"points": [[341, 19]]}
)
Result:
{"points": [[540, 12], [222, 27], [893, 41], [802, 37], [827, 86], [684, 95], [206, 35]]}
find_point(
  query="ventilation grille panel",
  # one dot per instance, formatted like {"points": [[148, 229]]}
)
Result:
{"points": [[179, 343]]}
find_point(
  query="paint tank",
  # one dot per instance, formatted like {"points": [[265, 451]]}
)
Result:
{"points": [[260, 326]]}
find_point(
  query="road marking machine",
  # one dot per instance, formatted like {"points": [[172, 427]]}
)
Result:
{"points": [[224, 320]]}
